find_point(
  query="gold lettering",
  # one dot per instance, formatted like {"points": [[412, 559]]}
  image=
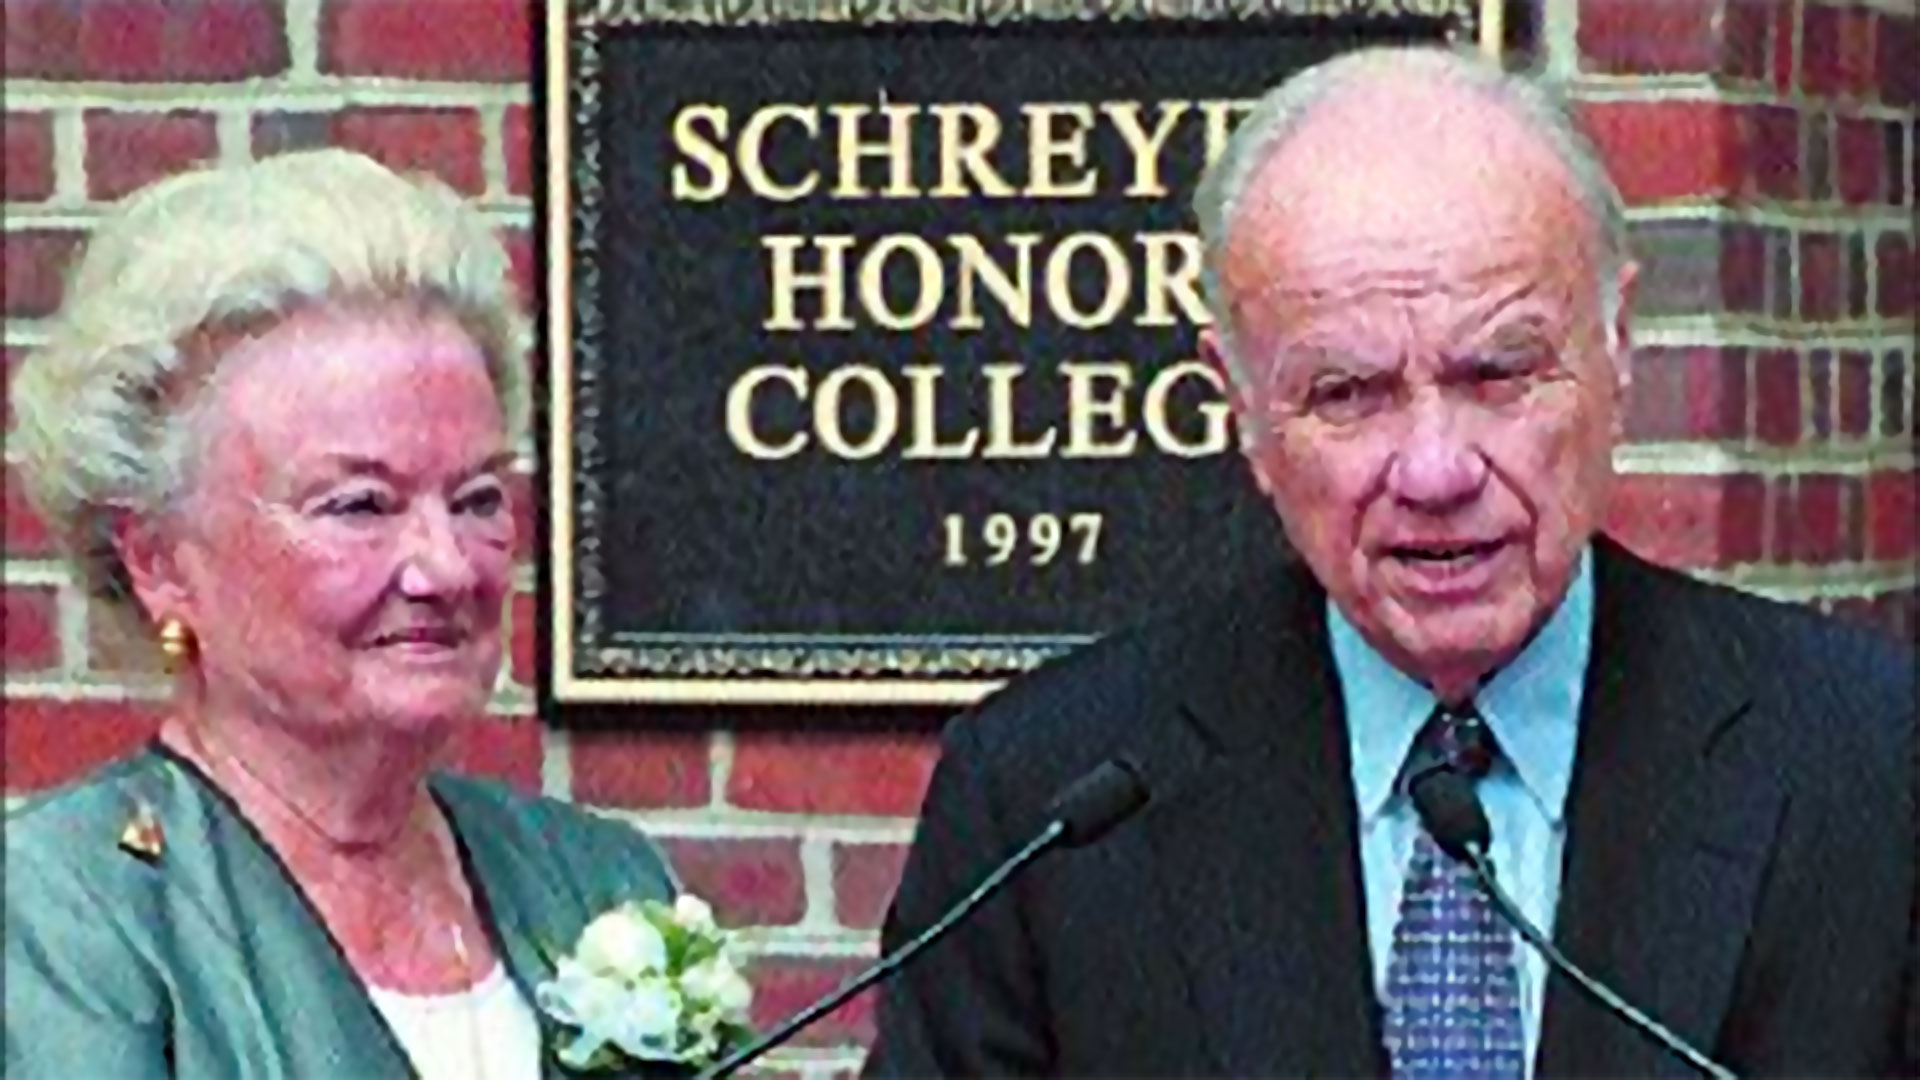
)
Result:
{"points": [[924, 443], [1221, 117], [1003, 440], [1181, 283], [740, 412], [1119, 280], [968, 133], [1045, 145], [753, 157], [929, 290], [896, 149], [787, 280], [1016, 297], [828, 412], [700, 148], [1084, 408], [1153, 410], [1145, 145]]}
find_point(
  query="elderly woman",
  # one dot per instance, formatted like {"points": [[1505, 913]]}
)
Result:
{"points": [[274, 422]]}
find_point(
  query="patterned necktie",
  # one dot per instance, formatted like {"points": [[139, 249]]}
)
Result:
{"points": [[1453, 988]]}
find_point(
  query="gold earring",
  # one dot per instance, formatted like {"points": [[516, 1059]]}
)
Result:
{"points": [[176, 643]]}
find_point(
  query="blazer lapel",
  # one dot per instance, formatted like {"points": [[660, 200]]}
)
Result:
{"points": [[1670, 820], [313, 1012], [1256, 857]]}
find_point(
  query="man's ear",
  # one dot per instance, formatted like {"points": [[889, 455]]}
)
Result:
{"points": [[1621, 334], [153, 567]]}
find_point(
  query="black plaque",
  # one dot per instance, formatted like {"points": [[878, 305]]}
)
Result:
{"points": [[898, 432]]}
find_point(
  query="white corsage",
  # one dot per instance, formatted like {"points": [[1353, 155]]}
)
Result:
{"points": [[649, 983]]}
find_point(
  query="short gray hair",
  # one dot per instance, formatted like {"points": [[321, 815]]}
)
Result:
{"points": [[1280, 111], [185, 268]]}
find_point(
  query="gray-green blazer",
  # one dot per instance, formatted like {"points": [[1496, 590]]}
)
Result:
{"points": [[207, 961]]}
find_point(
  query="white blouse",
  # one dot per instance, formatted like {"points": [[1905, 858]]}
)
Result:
{"points": [[486, 1032]]}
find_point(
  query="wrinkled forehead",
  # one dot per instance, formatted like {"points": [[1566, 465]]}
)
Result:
{"points": [[1451, 217]]}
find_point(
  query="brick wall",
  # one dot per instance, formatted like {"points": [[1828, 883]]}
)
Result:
{"points": [[1767, 147]]}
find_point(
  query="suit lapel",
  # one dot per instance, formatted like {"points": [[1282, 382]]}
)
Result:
{"points": [[1669, 824], [1246, 831]]}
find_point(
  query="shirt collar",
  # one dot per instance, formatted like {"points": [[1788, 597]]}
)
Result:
{"points": [[1532, 705]]}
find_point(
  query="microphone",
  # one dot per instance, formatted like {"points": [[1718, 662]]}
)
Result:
{"points": [[1453, 816], [1084, 812]]}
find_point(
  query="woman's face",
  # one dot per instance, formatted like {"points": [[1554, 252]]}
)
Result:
{"points": [[347, 542]]}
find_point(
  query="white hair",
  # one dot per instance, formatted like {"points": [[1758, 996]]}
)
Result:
{"points": [[186, 268], [1278, 113]]}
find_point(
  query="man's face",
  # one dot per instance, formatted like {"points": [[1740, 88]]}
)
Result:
{"points": [[1429, 398]]}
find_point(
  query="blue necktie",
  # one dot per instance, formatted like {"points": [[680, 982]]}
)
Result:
{"points": [[1453, 988]]}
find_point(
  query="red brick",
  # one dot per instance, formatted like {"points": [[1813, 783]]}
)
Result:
{"points": [[27, 534], [1663, 150], [445, 142], [1819, 527], [1777, 393], [1890, 515], [830, 772], [30, 628], [1862, 160], [36, 262], [1853, 510], [1896, 409], [1743, 268], [1857, 54], [50, 742], [784, 985], [519, 245], [1775, 151], [864, 879], [29, 157], [1893, 147], [1821, 290], [1898, 44], [526, 525], [516, 140], [1853, 399], [459, 40], [641, 770], [1743, 28], [1636, 37], [1780, 39], [749, 882], [191, 41], [503, 748], [1692, 393], [39, 37], [128, 150], [523, 625], [1898, 276], [1820, 380], [1820, 49], [1689, 521]]}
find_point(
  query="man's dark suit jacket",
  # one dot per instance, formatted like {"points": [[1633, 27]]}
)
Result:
{"points": [[1740, 859]]}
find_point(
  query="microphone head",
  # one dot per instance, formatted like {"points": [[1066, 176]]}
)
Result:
{"points": [[1451, 813], [1099, 800]]}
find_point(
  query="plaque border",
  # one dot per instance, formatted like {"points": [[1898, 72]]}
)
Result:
{"points": [[926, 670]]}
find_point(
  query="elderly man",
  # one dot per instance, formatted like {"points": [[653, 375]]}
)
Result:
{"points": [[1421, 298]]}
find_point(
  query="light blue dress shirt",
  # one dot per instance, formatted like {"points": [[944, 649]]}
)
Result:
{"points": [[1533, 708]]}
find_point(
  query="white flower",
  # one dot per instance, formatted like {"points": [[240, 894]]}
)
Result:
{"points": [[693, 913], [717, 984], [585, 1000], [622, 943], [649, 1022]]}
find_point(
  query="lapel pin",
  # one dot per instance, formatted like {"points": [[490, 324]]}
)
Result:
{"points": [[142, 837]]}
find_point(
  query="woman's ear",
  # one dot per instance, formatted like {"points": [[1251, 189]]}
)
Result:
{"points": [[153, 567]]}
